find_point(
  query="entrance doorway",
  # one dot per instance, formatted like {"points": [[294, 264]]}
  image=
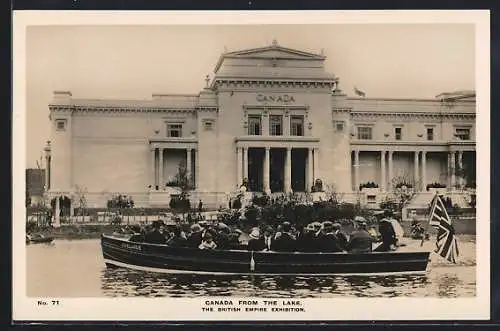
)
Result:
{"points": [[277, 169], [299, 161], [256, 169]]}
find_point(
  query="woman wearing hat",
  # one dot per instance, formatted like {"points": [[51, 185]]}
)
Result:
{"points": [[194, 239], [255, 243]]}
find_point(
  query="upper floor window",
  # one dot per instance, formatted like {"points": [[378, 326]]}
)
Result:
{"points": [[297, 125], [462, 133], [254, 125], [365, 132], [430, 133], [174, 130], [275, 125], [61, 125], [208, 125], [398, 133], [339, 126]]}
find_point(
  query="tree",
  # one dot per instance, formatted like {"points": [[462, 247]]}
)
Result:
{"points": [[404, 189], [81, 200], [180, 203]]}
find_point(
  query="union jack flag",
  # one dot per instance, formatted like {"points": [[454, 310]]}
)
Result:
{"points": [[446, 244]]}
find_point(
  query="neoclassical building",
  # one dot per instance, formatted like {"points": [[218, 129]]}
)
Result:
{"points": [[271, 116]]}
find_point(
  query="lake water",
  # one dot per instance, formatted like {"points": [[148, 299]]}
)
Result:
{"points": [[75, 268]]}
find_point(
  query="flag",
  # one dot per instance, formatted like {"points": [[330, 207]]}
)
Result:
{"points": [[446, 244], [359, 92]]}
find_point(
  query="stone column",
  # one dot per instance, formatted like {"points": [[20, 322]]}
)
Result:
{"points": [[265, 123], [160, 168], [390, 168], [415, 168], [286, 125], [424, 171], [267, 187], [153, 167], [452, 169], [310, 175], [239, 168], [189, 166], [460, 168], [196, 167], [383, 180], [57, 219], [356, 170], [288, 170], [245, 162], [316, 163]]}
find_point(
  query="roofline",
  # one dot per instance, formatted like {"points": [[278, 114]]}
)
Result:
{"points": [[405, 99]]}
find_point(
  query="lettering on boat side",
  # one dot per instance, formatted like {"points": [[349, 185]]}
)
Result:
{"points": [[132, 246], [256, 306]]}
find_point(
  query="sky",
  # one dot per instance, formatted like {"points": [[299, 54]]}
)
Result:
{"points": [[134, 62]]}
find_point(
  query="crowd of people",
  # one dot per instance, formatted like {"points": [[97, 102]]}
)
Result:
{"points": [[324, 236]]}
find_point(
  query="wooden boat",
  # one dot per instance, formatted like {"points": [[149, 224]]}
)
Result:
{"points": [[120, 252], [38, 239]]}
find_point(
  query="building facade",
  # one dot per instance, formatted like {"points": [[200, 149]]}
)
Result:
{"points": [[271, 116]]}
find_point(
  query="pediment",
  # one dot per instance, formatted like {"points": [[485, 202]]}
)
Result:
{"points": [[275, 52]]}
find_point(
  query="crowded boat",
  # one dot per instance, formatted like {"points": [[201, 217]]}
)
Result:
{"points": [[326, 236]]}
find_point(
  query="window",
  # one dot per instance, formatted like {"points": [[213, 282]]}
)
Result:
{"points": [[398, 133], [208, 125], [254, 125], [275, 125], [339, 126], [364, 132], [61, 125], [297, 125], [430, 133], [174, 130], [462, 133]]}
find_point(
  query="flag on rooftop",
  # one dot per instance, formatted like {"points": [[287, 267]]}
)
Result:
{"points": [[446, 244], [359, 92]]}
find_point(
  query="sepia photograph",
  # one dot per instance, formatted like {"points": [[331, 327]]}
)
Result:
{"points": [[241, 170]]}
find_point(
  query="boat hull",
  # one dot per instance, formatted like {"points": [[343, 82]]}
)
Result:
{"points": [[119, 252]]}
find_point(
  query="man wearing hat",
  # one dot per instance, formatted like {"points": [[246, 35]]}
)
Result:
{"points": [[268, 238], [286, 241], [194, 239], [386, 232], [360, 240], [341, 237], [328, 240]]}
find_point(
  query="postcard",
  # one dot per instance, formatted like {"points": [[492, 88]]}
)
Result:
{"points": [[271, 166]]}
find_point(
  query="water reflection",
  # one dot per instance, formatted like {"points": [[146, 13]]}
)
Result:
{"points": [[53, 270]]}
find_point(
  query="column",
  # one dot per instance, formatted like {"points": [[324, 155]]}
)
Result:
{"points": [[265, 123], [267, 188], [452, 168], [390, 166], [310, 175], [416, 174], [424, 171], [196, 168], [188, 166], [153, 168], [460, 168], [239, 179], [383, 180], [160, 168], [356, 170], [286, 125], [47, 173], [245, 162], [57, 219], [316, 163], [288, 170]]}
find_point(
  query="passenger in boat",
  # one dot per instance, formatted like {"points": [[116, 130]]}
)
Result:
{"points": [[208, 242], [341, 236], [286, 242], [177, 239], [222, 236], [360, 240], [279, 231], [387, 233], [268, 239], [255, 242], [157, 236], [308, 243], [328, 241], [194, 239]]}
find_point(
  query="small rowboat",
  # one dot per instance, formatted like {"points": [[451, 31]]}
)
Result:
{"points": [[120, 252], [38, 239]]}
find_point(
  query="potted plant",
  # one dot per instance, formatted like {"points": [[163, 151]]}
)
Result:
{"points": [[435, 187]]}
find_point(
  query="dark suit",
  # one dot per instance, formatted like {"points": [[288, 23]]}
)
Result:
{"points": [[256, 245], [284, 243], [177, 242], [155, 237], [342, 240], [194, 240], [329, 243], [388, 236], [360, 242]]}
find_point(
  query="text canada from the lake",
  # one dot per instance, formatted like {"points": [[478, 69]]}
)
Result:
{"points": [[249, 306]]}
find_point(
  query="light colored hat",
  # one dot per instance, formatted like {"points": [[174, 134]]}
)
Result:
{"points": [[195, 227], [255, 234]]}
